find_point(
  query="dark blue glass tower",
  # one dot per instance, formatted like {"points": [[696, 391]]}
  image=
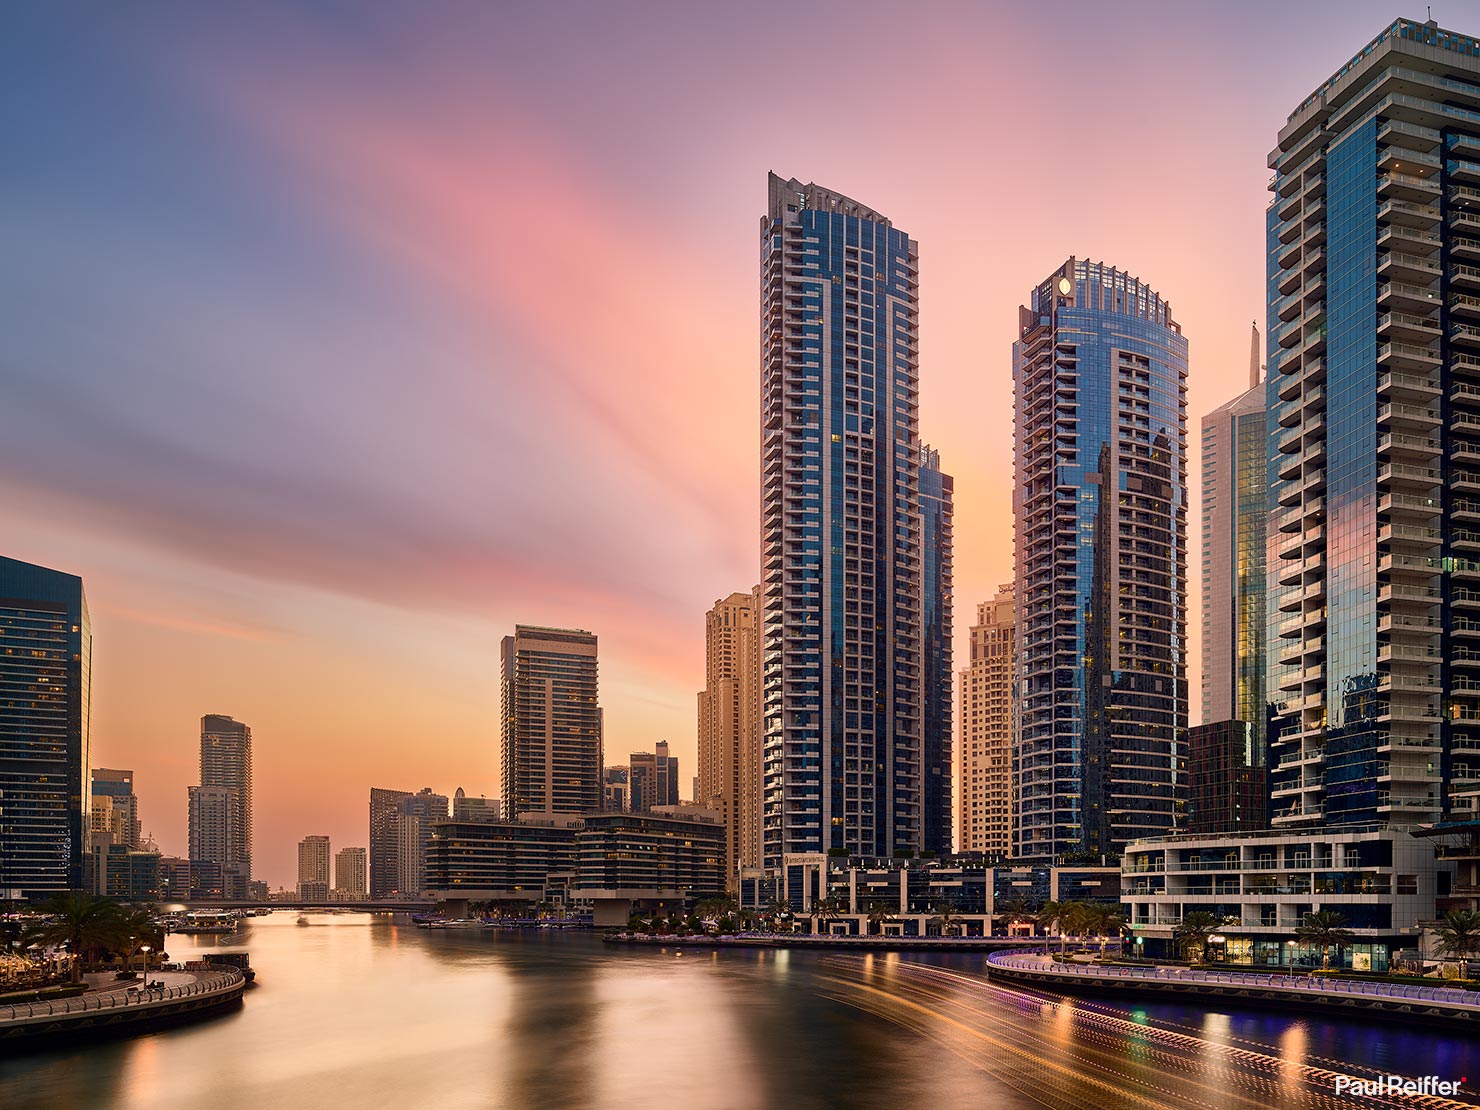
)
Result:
{"points": [[1100, 506], [45, 723], [841, 530]]}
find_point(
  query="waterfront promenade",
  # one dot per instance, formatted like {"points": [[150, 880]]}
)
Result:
{"points": [[117, 1011], [888, 942], [1451, 1005]]}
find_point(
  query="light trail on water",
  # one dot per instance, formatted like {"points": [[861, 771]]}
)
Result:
{"points": [[1066, 1053]]}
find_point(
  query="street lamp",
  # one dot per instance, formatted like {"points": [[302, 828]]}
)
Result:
{"points": [[145, 951]]}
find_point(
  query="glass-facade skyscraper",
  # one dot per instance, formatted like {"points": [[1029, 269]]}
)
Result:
{"points": [[1374, 455], [842, 544], [1100, 507], [45, 729], [1235, 514]]}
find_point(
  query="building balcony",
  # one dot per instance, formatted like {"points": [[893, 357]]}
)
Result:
{"points": [[1404, 295], [1409, 327]]}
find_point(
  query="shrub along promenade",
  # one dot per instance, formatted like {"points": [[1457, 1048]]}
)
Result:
{"points": [[1452, 1006], [120, 1012]]}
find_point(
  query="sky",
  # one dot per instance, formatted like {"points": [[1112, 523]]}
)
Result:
{"points": [[339, 337]]}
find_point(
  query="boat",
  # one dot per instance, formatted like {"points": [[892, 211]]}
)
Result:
{"points": [[302, 919], [236, 958], [206, 922]]}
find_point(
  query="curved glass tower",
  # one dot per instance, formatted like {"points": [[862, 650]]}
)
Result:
{"points": [[1100, 505], [844, 668]]}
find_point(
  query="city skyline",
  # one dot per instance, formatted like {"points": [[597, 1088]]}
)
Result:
{"points": [[238, 623]]}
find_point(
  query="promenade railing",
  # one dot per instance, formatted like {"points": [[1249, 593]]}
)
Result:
{"points": [[214, 983], [1307, 984]]}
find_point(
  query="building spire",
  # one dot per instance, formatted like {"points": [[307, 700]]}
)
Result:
{"points": [[1254, 368]]}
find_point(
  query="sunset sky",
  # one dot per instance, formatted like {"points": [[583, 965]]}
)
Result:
{"points": [[339, 338]]}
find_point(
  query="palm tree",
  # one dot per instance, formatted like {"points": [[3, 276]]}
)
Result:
{"points": [[878, 913], [1016, 909], [1055, 916], [1195, 930], [945, 916], [825, 909], [775, 910], [1324, 928], [1459, 934], [1077, 921], [1109, 922], [85, 923], [135, 928]]}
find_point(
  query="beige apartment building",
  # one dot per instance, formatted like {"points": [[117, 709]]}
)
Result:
{"points": [[985, 821], [730, 770]]}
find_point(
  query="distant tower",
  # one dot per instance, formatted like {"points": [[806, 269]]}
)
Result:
{"points": [[226, 764], [385, 866], [1235, 509], [349, 872], [730, 725], [986, 730], [313, 868], [119, 787]]}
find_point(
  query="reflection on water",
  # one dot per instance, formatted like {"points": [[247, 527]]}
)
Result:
{"points": [[360, 1012]]}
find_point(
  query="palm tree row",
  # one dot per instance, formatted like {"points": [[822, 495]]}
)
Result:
{"points": [[1096, 920], [91, 927]]}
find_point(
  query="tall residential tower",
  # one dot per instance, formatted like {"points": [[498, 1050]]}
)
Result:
{"points": [[842, 549], [1374, 403], [226, 764], [551, 731], [45, 729], [1100, 376]]}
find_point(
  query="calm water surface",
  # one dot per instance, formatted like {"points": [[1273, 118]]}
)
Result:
{"points": [[358, 1011]]}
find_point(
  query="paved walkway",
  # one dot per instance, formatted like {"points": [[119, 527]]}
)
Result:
{"points": [[187, 987]]}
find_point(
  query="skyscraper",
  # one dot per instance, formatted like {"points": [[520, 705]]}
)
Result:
{"points": [[730, 725], [1374, 404], [226, 763], [937, 497], [349, 872], [551, 729], [842, 554], [986, 730], [1235, 510], [214, 826], [1100, 505], [652, 779], [385, 868], [118, 787], [313, 868], [45, 729], [414, 819]]}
